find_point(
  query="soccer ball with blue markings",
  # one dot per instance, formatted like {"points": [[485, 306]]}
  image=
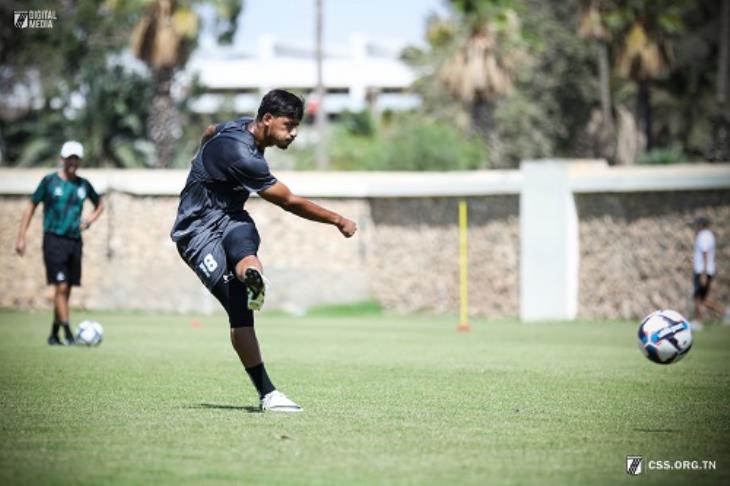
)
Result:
{"points": [[89, 333], [665, 336]]}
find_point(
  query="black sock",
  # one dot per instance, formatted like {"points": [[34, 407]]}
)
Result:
{"points": [[260, 379], [54, 329], [67, 330]]}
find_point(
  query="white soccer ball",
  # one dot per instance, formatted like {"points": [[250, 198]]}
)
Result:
{"points": [[665, 336], [89, 333]]}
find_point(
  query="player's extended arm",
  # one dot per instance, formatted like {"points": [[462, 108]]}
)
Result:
{"points": [[24, 223], [94, 215], [280, 195]]}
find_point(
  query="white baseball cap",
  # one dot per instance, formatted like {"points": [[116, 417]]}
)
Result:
{"points": [[71, 148]]}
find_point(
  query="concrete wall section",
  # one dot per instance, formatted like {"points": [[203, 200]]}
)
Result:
{"points": [[549, 230]]}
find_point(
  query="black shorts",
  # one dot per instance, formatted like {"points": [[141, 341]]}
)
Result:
{"points": [[216, 263], [701, 291], [62, 256]]}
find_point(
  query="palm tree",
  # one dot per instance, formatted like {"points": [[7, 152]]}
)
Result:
{"points": [[482, 66], [475, 76], [643, 57], [591, 26], [162, 39]]}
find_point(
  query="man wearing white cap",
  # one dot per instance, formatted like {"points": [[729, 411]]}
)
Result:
{"points": [[62, 193], [704, 271]]}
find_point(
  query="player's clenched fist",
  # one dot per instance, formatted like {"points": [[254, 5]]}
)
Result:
{"points": [[347, 227]]}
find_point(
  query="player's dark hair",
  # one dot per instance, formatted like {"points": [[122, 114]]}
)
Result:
{"points": [[703, 222], [279, 102]]}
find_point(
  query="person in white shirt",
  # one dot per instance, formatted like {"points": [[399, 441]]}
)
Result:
{"points": [[703, 263]]}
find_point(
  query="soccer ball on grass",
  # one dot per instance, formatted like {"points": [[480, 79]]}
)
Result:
{"points": [[89, 333], [665, 336]]}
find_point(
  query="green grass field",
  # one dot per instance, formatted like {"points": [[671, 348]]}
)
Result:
{"points": [[387, 400]]}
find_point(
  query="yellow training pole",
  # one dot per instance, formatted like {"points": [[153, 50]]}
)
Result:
{"points": [[463, 264]]}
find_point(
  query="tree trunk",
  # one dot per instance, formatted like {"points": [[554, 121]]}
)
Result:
{"points": [[722, 58], [482, 116], [607, 136], [643, 109], [720, 141], [629, 138], [164, 122]]}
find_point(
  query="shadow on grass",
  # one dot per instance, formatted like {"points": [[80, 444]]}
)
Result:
{"points": [[247, 408]]}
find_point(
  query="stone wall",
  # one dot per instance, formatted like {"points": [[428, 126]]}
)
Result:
{"points": [[636, 251], [415, 252], [131, 263], [405, 255]]}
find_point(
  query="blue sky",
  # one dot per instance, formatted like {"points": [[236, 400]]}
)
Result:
{"points": [[403, 20]]}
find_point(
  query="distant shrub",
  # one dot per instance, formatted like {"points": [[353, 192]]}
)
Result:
{"points": [[405, 143], [662, 157], [426, 144], [358, 123]]}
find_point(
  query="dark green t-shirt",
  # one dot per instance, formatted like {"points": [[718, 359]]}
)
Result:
{"points": [[62, 203]]}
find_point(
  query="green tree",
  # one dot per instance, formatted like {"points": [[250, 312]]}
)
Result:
{"points": [[550, 108], [552, 83], [50, 78], [72, 80]]}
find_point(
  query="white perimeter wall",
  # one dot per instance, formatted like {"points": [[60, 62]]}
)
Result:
{"points": [[549, 248]]}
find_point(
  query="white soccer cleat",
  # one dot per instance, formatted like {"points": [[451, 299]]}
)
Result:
{"points": [[255, 288], [276, 401]]}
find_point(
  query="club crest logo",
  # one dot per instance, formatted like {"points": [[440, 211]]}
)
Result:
{"points": [[634, 465], [60, 277], [20, 19], [81, 192]]}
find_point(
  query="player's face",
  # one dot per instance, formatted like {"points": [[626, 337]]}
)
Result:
{"points": [[282, 130], [71, 164]]}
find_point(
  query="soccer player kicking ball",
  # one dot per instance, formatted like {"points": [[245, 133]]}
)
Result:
{"points": [[218, 239]]}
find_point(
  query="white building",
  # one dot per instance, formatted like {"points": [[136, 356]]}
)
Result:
{"points": [[360, 74]]}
